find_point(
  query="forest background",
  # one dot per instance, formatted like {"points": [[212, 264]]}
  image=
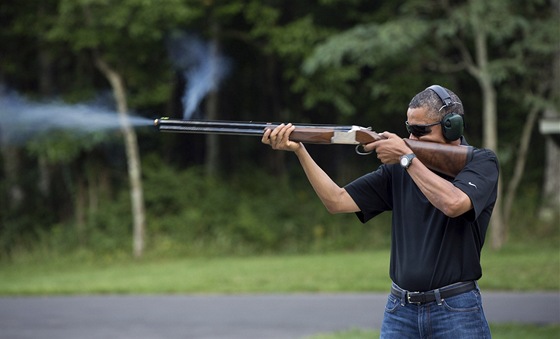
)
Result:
{"points": [[83, 171]]}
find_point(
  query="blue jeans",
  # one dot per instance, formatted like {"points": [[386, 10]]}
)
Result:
{"points": [[457, 317]]}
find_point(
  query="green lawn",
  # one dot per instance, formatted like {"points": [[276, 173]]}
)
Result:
{"points": [[518, 267], [298, 273]]}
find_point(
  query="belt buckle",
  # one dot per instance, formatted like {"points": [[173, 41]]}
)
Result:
{"points": [[409, 294]]}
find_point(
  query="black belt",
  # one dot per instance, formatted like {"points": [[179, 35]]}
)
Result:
{"points": [[429, 296]]}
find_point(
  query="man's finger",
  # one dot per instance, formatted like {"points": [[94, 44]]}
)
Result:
{"points": [[266, 136], [388, 135]]}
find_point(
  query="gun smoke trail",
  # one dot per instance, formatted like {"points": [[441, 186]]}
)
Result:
{"points": [[21, 119], [202, 68]]}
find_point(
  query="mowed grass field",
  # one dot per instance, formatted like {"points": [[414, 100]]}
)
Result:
{"points": [[518, 267]]}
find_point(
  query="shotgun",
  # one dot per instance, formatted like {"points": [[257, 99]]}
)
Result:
{"points": [[445, 159]]}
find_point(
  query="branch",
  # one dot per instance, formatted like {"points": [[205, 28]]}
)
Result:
{"points": [[468, 61], [114, 79]]}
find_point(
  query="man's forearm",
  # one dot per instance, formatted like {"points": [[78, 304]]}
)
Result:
{"points": [[441, 193], [334, 197]]}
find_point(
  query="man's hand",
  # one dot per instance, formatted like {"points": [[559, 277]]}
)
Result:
{"points": [[279, 138], [389, 150]]}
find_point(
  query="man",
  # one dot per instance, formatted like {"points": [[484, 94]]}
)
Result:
{"points": [[439, 223]]}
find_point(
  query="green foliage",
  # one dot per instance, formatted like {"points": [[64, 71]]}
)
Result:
{"points": [[368, 45], [528, 225], [189, 213], [65, 146], [332, 86], [250, 212], [335, 67], [247, 213], [98, 23], [123, 31]]}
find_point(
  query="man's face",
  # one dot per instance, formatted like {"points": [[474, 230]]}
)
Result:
{"points": [[419, 117]]}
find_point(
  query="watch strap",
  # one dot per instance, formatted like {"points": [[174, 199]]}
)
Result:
{"points": [[409, 158]]}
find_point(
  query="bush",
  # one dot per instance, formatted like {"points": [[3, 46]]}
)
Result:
{"points": [[249, 212]]}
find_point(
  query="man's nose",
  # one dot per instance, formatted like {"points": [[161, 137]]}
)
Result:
{"points": [[412, 137]]}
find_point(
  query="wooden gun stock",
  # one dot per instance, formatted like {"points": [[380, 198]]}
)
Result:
{"points": [[442, 158]]}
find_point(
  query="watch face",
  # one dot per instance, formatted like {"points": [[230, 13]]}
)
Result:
{"points": [[404, 161]]}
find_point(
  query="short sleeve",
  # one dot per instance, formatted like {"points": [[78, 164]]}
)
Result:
{"points": [[372, 193], [479, 180]]}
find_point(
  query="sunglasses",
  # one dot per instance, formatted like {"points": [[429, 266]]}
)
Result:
{"points": [[420, 130]]}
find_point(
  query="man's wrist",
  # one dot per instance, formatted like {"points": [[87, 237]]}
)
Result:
{"points": [[300, 149], [406, 160]]}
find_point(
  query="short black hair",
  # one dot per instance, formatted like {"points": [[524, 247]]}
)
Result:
{"points": [[432, 102]]}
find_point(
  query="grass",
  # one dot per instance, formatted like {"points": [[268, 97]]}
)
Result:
{"points": [[502, 331], [298, 273], [520, 267]]}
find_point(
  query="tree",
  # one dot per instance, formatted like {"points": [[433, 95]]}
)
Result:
{"points": [[471, 36], [22, 37], [120, 39], [495, 28]]}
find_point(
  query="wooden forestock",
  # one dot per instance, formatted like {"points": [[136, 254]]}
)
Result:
{"points": [[312, 135]]}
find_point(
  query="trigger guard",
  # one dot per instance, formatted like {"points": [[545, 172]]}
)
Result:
{"points": [[362, 152]]}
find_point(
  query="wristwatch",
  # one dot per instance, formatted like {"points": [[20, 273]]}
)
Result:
{"points": [[406, 160]]}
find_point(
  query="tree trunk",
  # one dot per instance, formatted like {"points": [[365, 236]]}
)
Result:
{"points": [[46, 81], [490, 127], [550, 207], [80, 209], [132, 156], [521, 160], [497, 226], [12, 169], [212, 162], [46, 88], [44, 183]]}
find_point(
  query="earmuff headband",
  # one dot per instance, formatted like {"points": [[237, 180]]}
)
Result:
{"points": [[452, 123]]}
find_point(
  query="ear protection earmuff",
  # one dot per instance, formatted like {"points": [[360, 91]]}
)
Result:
{"points": [[452, 124]]}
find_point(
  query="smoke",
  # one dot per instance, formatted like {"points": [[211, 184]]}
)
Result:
{"points": [[21, 119], [201, 66]]}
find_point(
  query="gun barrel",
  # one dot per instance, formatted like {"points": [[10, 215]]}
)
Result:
{"points": [[229, 127]]}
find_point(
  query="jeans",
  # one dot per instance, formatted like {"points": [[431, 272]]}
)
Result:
{"points": [[457, 317]]}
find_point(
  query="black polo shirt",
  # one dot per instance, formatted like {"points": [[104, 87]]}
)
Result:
{"points": [[428, 249]]}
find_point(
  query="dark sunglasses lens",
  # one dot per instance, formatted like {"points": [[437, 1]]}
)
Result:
{"points": [[417, 130]]}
